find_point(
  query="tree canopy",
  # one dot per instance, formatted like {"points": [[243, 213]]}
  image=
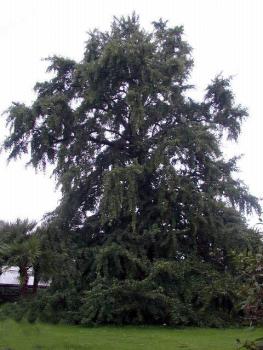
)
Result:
{"points": [[151, 207]]}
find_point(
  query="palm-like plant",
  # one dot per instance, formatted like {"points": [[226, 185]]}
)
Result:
{"points": [[19, 247], [24, 254]]}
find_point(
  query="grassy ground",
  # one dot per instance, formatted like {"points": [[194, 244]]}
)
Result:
{"points": [[23, 336]]}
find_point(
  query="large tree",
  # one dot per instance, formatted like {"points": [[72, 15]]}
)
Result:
{"points": [[145, 187]]}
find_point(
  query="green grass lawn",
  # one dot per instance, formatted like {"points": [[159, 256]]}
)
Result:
{"points": [[24, 336]]}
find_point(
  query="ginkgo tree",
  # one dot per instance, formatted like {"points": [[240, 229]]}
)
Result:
{"points": [[147, 195]]}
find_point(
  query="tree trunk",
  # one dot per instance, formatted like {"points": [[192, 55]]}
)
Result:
{"points": [[23, 270], [36, 278]]}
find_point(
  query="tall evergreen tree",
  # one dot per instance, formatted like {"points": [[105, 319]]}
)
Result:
{"points": [[152, 205]]}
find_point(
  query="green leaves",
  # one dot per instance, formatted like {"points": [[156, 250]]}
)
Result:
{"points": [[224, 113], [120, 193], [250, 345], [250, 265]]}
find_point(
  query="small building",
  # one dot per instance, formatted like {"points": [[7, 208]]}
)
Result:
{"points": [[9, 283]]}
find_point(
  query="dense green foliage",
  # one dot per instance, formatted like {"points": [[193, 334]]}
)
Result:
{"points": [[250, 267], [21, 336], [151, 212]]}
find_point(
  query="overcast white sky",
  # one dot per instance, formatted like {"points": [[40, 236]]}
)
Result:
{"points": [[226, 35]]}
